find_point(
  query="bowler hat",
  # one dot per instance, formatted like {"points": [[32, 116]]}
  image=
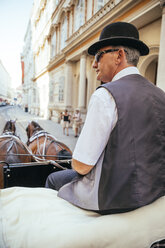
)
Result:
{"points": [[119, 34]]}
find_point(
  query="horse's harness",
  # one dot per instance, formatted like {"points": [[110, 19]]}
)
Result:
{"points": [[48, 137], [14, 138], [9, 133]]}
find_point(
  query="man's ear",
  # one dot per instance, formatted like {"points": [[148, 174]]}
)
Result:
{"points": [[120, 53], [119, 57]]}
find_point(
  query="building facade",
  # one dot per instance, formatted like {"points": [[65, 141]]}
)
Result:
{"points": [[27, 63], [62, 31], [5, 84]]}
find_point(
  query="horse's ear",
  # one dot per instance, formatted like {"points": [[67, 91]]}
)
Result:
{"points": [[28, 132]]}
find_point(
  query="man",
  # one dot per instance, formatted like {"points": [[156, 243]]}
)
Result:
{"points": [[119, 159], [76, 122]]}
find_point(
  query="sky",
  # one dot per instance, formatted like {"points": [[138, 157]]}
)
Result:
{"points": [[14, 18]]}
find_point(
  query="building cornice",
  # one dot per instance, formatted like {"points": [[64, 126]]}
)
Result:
{"points": [[57, 61], [90, 31]]}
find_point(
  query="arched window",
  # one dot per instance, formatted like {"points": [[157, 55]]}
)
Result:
{"points": [[151, 71], [63, 32], [79, 14]]}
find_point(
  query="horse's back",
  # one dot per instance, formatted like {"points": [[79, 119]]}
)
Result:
{"points": [[60, 150], [13, 150], [49, 148]]}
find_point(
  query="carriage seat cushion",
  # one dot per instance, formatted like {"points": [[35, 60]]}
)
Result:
{"points": [[37, 218]]}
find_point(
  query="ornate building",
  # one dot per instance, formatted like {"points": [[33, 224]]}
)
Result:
{"points": [[5, 84], [61, 33], [28, 87]]}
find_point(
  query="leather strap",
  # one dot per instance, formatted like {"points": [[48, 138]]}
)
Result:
{"points": [[1, 177]]}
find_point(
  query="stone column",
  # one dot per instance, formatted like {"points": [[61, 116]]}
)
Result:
{"points": [[68, 85], [161, 61], [82, 83]]}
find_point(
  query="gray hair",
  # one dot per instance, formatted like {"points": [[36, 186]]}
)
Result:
{"points": [[132, 55]]}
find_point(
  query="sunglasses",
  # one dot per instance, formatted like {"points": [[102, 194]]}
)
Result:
{"points": [[99, 54]]}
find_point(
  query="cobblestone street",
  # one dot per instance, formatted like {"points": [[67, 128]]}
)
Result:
{"points": [[14, 112]]}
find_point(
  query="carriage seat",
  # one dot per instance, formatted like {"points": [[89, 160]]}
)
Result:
{"points": [[38, 218]]}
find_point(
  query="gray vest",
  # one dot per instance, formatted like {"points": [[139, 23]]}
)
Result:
{"points": [[133, 170]]}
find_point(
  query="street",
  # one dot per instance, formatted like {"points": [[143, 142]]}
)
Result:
{"points": [[15, 112]]}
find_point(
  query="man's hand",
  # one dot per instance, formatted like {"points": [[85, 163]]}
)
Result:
{"points": [[81, 168]]}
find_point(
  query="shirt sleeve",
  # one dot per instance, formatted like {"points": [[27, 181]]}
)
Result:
{"points": [[100, 120]]}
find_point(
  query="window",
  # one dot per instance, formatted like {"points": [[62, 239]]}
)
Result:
{"points": [[79, 14], [51, 92], [64, 32], [34, 96], [61, 89]]}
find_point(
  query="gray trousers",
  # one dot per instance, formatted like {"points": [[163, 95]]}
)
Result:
{"points": [[57, 179]]}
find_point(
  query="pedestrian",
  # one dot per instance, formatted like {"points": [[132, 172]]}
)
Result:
{"points": [[26, 107], [66, 121], [61, 118], [76, 122], [119, 159]]}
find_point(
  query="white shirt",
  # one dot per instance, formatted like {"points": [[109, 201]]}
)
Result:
{"points": [[100, 121]]}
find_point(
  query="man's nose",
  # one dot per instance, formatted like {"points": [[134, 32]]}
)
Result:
{"points": [[94, 64]]}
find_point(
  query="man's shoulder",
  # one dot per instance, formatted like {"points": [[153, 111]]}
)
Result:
{"points": [[127, 80], [101, 92], [101, 97]]}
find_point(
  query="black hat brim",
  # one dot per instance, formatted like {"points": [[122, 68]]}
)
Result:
{"points": [[119, 41]]}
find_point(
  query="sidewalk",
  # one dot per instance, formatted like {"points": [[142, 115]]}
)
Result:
{"points": [[51, 127]]}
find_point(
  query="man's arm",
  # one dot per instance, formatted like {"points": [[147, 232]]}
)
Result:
{"points": [[81, 168], [100, 120]]}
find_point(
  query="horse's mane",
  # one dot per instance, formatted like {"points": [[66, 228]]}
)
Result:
{"points": [[36, 125], [10, 126]]}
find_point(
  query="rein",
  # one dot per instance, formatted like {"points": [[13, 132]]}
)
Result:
{"points": [[38, 155]]}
